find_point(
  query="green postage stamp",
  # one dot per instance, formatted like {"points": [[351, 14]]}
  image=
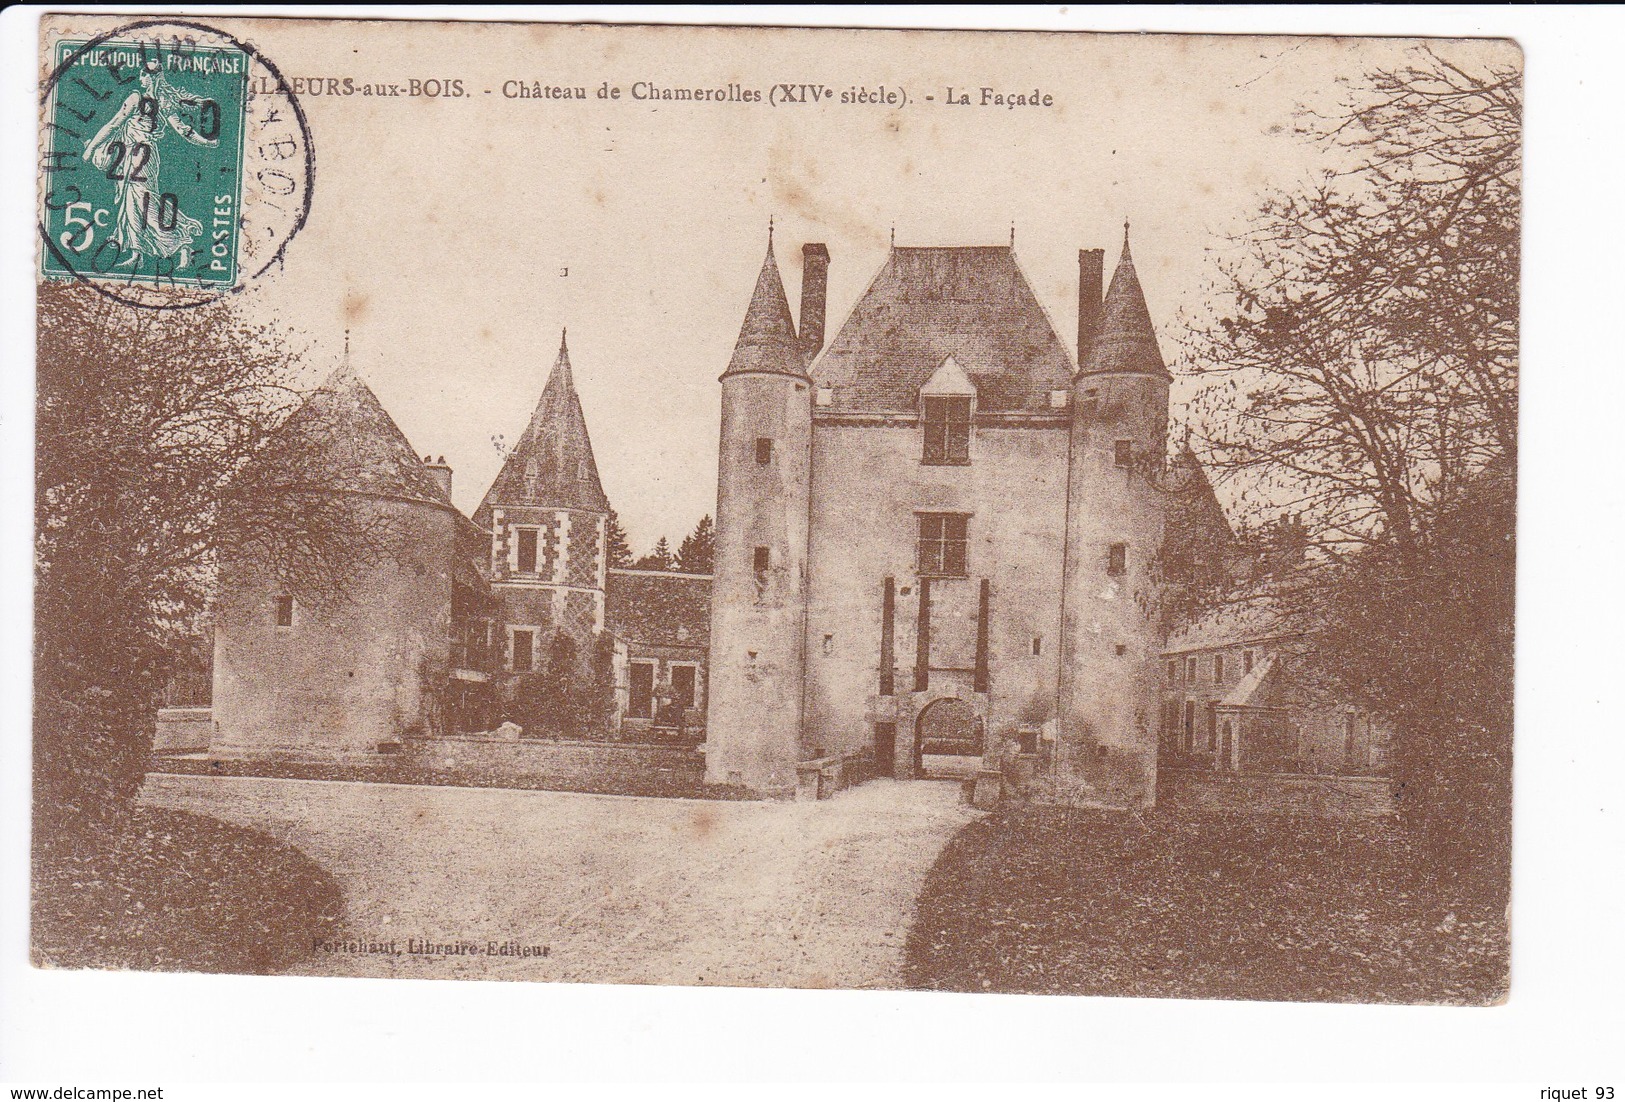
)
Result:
{"points": [[145, 162]]}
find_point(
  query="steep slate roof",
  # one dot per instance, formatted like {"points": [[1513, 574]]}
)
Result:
{"points": [[1126, 339], [927, 304], [1242, 619], [342, 439], [1254, 690], [655, 607], [767, 339], [541, 470], [1196, 531]]}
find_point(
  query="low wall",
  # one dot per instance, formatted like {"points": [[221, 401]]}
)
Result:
{"points": [[1323, 796], [182, 730], [480, 759], [821, 778]]}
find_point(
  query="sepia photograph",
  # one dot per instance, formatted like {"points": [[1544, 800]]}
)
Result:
{"points": [[966, 512], [470, 564]]}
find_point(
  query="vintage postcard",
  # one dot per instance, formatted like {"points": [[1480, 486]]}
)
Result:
{"points": [[943, 510]]}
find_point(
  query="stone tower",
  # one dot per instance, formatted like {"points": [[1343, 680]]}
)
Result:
{"points": [[759, 590], [304, 673], [1107, 748], [547, 515]]}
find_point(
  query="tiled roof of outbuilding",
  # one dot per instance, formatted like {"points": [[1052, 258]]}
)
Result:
{"points": [[658, 607], [926, 304], [1242, 619]]}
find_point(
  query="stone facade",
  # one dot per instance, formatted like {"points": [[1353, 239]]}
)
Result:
{"points": [[937, 537], [1236, 699]]}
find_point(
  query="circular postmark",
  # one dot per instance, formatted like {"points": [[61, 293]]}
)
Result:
{"points": [[177, 164]]}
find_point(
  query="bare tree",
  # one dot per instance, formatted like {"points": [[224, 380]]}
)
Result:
{"points": [[1360, 362], [147, 425], [1359, 370]]}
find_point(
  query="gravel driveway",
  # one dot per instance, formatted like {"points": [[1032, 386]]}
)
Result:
{"points": [[615, 889]]}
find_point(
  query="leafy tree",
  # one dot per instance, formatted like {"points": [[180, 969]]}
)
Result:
{"points": [[620, 550], [695, 554]]}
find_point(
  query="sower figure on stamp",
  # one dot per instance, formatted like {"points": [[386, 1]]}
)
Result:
{"points": [[148, 221]]}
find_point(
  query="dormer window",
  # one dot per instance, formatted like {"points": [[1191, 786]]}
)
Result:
{"points": [[947, 402], [947, 431]]}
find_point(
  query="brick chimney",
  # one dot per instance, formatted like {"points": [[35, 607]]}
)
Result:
{"points": [[814, 292], [1091, 280], [441, 472]]}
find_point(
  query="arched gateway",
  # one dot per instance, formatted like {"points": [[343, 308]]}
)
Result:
{"points": [[948, 727]]}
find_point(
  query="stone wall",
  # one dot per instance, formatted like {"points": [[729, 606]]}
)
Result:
{"points": [[1330, 797], [350, 673], [182, 730], [485, 759]]}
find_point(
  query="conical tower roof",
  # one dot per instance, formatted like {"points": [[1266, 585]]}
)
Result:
{"points": [[341, 438], [1126, 340], [767, 341], [553, 466]]}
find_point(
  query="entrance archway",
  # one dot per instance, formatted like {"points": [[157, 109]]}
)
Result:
{"points": [[948, 727]]}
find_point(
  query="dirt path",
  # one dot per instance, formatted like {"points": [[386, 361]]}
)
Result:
{"points": [[618, 889]]}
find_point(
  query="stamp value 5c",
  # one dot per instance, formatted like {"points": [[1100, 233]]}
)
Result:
{"points": [[144, 164]]}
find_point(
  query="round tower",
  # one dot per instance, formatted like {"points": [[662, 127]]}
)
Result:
{"points": [[758, 602], [1107, 747], [308, 671]]}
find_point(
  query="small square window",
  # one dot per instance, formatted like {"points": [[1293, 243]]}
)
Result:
{"points": [[1057, 399], [1122, 649], [764, 450], [1117, 559], [1123, 453], [826, 395], [1027, 738], [284, 612]]}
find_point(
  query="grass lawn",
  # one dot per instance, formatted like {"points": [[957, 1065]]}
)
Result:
{"points": [[171, 891], [1186, 904]]}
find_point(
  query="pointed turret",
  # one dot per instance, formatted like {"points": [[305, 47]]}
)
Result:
{"points": [[759, 578], [1106, 746], [1126, 340], [341, 438], [553, 465], [767, 340]]}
